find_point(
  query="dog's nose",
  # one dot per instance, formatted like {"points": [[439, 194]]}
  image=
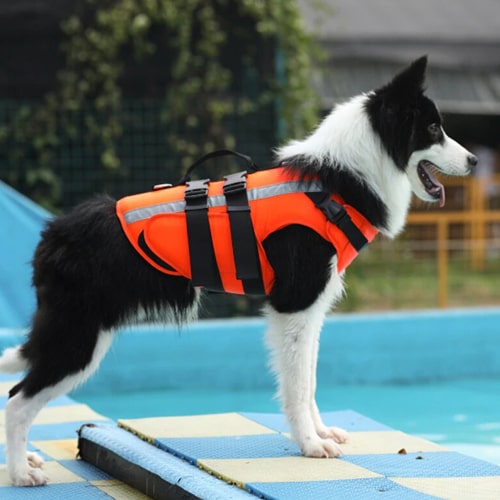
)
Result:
{"points": [[472, 160]]}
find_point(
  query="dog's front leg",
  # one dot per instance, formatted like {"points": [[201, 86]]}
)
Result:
{"points": [[293, 340], [338, 434]]}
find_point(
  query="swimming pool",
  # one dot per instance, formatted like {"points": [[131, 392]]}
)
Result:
{"points": [[434, 374], [462, 415]]}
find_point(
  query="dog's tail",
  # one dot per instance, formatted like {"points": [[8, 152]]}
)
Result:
{"points": [[12, 360]]}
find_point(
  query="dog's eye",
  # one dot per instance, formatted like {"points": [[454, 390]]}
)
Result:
{"points": [[435, 132], [434, 129]]}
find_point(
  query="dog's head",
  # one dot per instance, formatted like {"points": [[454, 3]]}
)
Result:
{"points": [[411, 130]]}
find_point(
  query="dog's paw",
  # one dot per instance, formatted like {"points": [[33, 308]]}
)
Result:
{"points": [[317, 447], [29, 477], [336, 433], [34, 460]]}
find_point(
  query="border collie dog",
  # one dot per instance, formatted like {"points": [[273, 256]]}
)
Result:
{"points": [[374, 151]]}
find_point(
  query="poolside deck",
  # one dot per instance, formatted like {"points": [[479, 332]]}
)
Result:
{"points": [[54, 436], [182, 457]]}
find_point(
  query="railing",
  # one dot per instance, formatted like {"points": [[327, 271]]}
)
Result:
{"points": [[475, 216]]}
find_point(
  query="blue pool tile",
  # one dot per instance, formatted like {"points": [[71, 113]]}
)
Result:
{"points": [[275, 421], [74, 491], [376, 488], [63, 430], [428, 464], [352, 421], [30, 447], [259, 446], [349, 420], [85, 470], [61, 401], [9, 377]]}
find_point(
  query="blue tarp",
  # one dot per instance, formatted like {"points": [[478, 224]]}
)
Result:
{"points": [[21, 221]]}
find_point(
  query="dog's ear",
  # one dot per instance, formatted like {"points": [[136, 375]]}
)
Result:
{"points": [[408, 83]]}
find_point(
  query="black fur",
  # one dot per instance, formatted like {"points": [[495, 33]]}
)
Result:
{"points": [[297, 287], [338, 180], [401, 114], [88, 278]]}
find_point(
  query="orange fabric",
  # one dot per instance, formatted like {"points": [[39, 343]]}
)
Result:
{"points": [[166, 233]]}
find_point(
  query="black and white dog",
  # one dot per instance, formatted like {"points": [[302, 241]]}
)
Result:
{"points": [[374, 151]]}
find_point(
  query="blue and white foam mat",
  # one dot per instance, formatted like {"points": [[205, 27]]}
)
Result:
{"points": [[234, 456], [253, 452], [54, 437]]}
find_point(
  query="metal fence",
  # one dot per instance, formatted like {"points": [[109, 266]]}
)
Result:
{"points": [[445, 258], [145, 156]]}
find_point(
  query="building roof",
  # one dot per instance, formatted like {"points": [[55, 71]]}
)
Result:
{"points": [[455, 90], [438, 20], [367, 41]]}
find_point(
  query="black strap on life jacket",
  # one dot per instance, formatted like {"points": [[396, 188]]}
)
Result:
{"points": [[204, 269], [246, 255], [337, 215], [143, 245]]}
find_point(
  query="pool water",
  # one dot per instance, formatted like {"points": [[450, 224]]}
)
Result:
{"points": [[463, 415], [435, 374]]}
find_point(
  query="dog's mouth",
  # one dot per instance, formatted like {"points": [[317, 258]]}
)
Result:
{"points": [[431, 185]]}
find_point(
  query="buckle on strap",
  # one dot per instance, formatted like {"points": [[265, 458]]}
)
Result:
{"points": [[196, 194], [235, 183], [333, 211], [204, 269], [337, 214], [245, 252], [235, 191]]}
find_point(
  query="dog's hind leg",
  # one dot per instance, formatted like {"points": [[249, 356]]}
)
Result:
{"points": [[49, 376]]}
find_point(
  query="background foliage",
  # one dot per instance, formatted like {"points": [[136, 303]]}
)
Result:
{"points": [[205, 62]]}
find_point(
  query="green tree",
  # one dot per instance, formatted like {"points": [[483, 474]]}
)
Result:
{"points": [[209, 51]]}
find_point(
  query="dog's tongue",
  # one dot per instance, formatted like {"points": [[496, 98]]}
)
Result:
{"points": [[430, 182]]}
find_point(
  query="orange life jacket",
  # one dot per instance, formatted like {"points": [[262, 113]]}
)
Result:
{"points": [[156, 224]]}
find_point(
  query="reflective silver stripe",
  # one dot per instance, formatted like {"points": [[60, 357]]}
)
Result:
{"points": [[142, 213], [283, 188], [219, 200]]}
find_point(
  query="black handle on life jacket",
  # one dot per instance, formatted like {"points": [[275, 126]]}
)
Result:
{"points": [[216, 154]]}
